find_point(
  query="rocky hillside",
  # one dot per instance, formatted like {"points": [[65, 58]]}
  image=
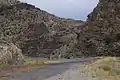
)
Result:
{"points": [[36, 32], [101, 35], [8, 2]]}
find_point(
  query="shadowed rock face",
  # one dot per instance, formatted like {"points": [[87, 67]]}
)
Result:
{"points": [[101, 36], [38, 42], [36, 32]]}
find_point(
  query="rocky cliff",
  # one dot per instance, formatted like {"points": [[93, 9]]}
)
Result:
{"points": [[101, 35]]}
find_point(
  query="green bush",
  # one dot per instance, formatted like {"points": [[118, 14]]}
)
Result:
{"points": [[3, 65], [32, 62], [106, 68]]}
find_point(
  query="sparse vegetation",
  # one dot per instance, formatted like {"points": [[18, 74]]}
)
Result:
{"points": [[30, 61], [4, 75], [107, 68], [4, 65]]}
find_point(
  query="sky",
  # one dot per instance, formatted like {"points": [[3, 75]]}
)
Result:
{"points": [[76, 9]]}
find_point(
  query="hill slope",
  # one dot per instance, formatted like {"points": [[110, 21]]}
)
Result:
{"points": [[37, 32], [101, 36]]}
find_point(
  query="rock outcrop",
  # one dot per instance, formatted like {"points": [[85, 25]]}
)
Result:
{"points": [[101, 35], [10, 54]]}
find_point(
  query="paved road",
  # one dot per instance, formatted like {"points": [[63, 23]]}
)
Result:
{"points": [[48, 72]]}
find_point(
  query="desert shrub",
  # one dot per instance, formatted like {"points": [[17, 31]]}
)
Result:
{"points": [[4, 65], [32, 61], [116, 71], [106, 68]]}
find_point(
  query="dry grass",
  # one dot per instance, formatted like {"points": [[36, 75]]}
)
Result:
{"points": [[29, 64], [4, 75], [4, 65], [107, 68], [30, 61]]}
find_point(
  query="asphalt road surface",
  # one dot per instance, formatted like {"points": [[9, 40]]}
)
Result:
{"points": [[61, 71]]}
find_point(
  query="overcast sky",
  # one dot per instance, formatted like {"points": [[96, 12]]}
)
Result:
{"points": [[76, 9]]}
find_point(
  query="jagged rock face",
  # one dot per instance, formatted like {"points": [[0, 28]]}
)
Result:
{"points": [[36, 32], [101, 36], [10, 54]]}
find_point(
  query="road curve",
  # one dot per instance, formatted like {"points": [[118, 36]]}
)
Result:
{"points": [[50, 72]]}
